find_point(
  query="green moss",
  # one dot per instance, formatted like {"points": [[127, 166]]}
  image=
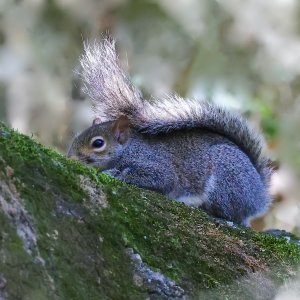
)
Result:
{"points": [[14, 261], [84, 252], [68, 235]]}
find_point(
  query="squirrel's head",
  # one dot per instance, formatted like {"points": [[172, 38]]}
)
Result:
{"points": [[102, 143]]}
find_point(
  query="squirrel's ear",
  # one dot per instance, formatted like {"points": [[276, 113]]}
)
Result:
{"points": [[121, 129], [96, 121]]}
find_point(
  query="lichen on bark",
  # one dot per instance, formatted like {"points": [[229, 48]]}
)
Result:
{"points": [[69, 232]]}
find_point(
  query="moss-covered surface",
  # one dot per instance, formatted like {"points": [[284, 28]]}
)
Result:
{"points": [[84, 221]]}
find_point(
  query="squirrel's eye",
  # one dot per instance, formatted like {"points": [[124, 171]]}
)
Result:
{"points": [[98, 143]]}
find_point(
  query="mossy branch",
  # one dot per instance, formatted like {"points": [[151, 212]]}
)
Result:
{"points": [[69, 232]]}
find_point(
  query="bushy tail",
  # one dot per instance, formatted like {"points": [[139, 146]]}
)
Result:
{"points": [[112, 95], [105, 82]]}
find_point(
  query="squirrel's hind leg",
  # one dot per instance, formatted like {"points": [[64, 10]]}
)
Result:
{"points": [[238, 193]]}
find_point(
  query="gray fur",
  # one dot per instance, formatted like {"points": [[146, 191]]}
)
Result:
{"points": [[192, 151], [197, 167], [113, 95]]}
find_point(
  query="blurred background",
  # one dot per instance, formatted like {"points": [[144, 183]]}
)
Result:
{"points": [[243, 54]]}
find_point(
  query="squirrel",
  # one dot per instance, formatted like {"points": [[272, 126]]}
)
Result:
{"points": [[192, 151]]}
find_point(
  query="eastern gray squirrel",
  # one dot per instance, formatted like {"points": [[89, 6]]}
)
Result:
{"points": [[189, 150]]}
